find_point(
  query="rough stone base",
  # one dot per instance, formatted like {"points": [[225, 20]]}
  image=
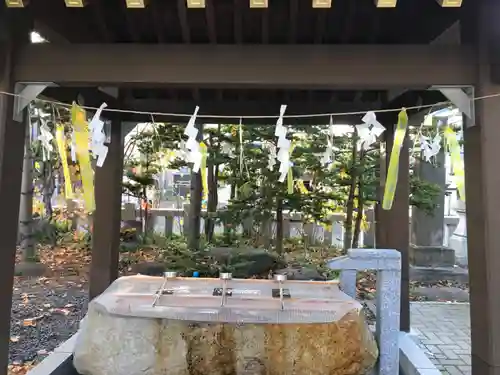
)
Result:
{"points": [[33, 269], [435, 274], [432, 256]]}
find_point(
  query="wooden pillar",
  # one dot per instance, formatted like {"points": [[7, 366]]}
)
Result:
{"points": [[393, 229], [482, 153], [107, 215], [11, 162]]}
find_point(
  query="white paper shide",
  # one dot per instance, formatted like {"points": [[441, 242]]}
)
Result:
{"points": [[194, 155], [98, 137]]}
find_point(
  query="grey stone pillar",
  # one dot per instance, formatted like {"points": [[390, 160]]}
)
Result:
{"points": [[428, 230], [387, 263]]}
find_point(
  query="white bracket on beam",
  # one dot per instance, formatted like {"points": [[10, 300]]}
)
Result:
{"points": [[460, 97], [26, 93]]}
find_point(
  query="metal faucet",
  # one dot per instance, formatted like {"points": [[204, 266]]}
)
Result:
{"points": [[166, 276]]}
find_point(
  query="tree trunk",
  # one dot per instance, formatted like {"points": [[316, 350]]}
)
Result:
{"points": [[48, 188], [26, 207], [361, 202], [196, 192], [212, 175], [265, 231], [350, 199], [146, 210], [279, 226]]}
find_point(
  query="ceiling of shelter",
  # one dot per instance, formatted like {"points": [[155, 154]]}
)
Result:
{"points": [[233, 21]]}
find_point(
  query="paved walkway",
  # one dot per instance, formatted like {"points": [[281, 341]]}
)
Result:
{"points": [[443, 332]]}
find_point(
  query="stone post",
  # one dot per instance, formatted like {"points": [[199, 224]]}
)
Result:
{"points": [[169, 225], [369, 235], [458, 240], [387, 263]]}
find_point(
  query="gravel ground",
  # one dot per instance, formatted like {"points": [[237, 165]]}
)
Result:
{"points": [[45, 313]]}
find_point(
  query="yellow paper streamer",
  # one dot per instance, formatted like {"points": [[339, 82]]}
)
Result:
{"points": [[456, 160], [38, 207], [290, 172], [302, 187], [61, 146], [203, 169], [392, 171], [80, 127]]}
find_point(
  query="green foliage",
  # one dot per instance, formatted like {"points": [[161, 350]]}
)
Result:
{"points": [[424, 194]]}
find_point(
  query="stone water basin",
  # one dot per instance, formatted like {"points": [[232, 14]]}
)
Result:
{"points": [[261, 327]]}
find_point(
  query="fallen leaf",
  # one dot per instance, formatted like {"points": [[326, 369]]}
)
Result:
{"points": [[29, 323], [60, 311]]}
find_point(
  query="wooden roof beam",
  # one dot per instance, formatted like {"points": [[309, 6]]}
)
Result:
{"points": [[320, 66]]}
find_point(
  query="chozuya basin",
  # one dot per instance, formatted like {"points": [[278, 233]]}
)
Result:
{"points": [[195, 326]]}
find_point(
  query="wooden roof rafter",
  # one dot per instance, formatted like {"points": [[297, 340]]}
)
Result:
{"points": [[210, 21], [182, 14], [101, 21], [293, 10], [234, 22], [158, 22], [133, 4], [237, 22]]}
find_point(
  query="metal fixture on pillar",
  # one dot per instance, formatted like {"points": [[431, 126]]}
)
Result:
{"points": [[136, 3], [195, 3], [450, 3], [258, 4], [322, 3], [75, 3], [386, 3], [16, 3]]}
